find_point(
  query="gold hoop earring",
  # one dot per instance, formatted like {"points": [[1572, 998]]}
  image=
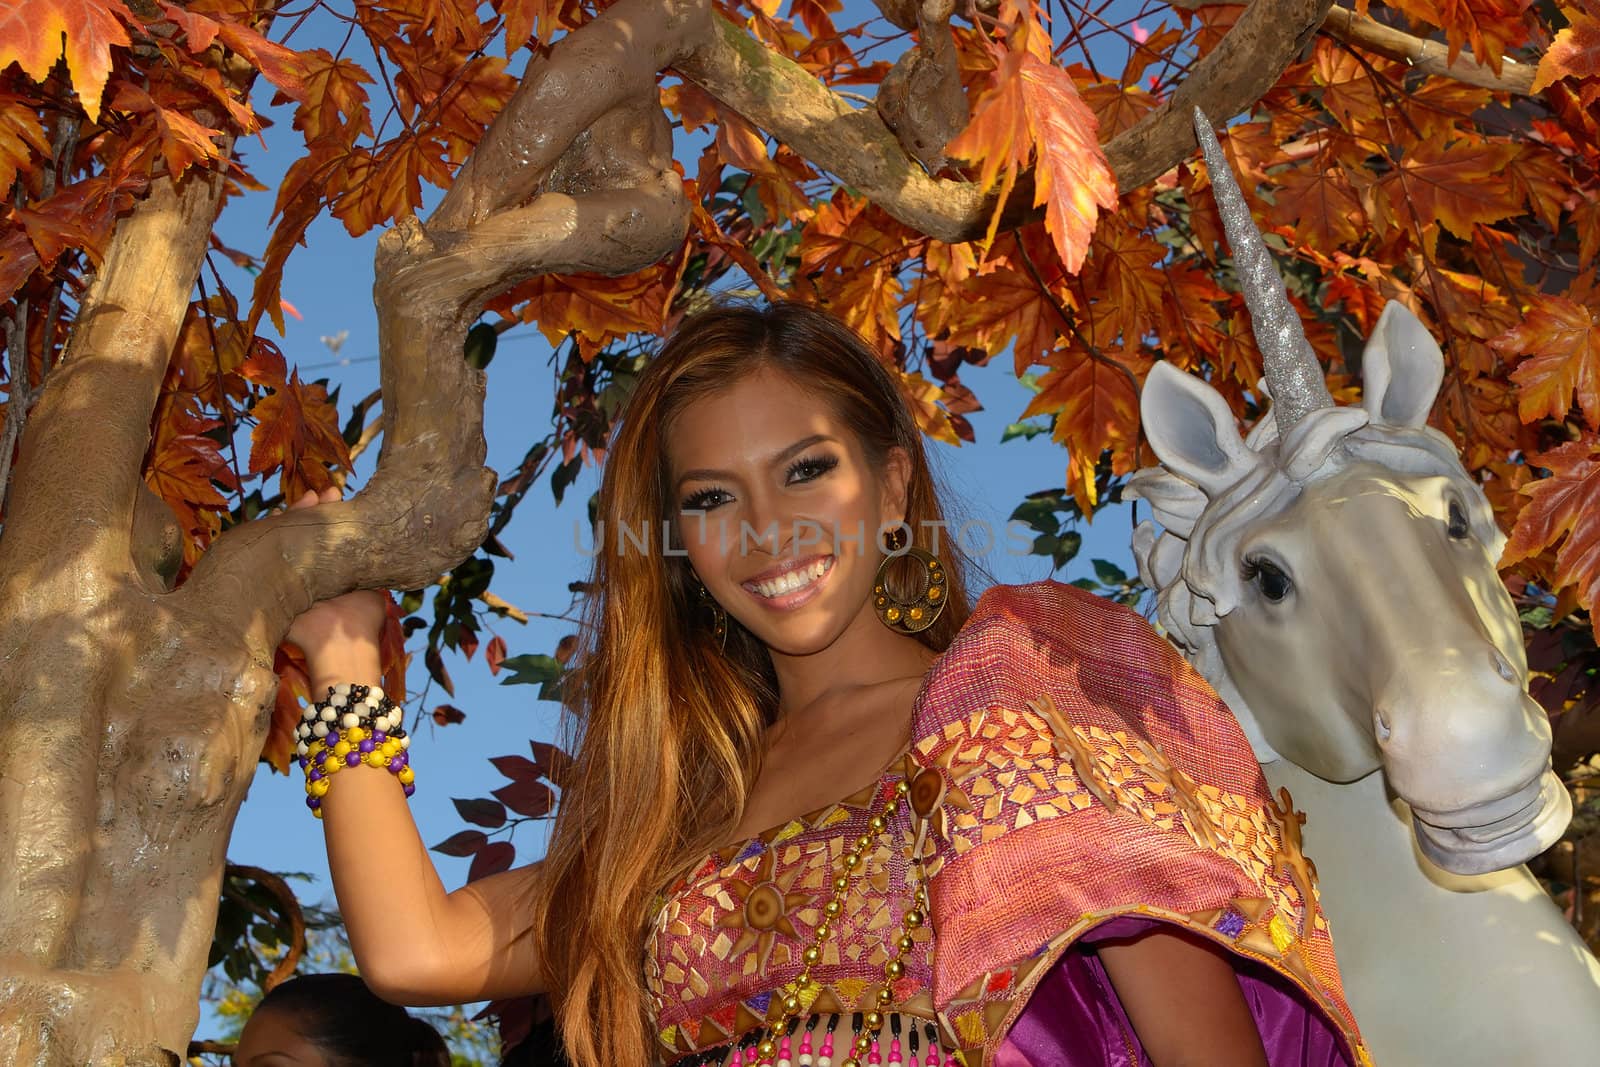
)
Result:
{"points": [[910, 616], [718, 616]]}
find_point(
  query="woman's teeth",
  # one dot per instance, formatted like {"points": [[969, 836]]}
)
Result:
{"points": [[789, 582]]}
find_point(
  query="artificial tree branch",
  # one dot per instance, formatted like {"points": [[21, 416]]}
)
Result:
{"points": [[617, 56], [788, 102], [920, 99], [606, 200], [1429, 57]]}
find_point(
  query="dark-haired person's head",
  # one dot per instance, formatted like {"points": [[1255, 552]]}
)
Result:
{"points": [[334, 1020]]}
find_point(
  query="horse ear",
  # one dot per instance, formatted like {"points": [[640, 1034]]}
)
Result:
{"points": [[1401, 368], [1193, 433]]}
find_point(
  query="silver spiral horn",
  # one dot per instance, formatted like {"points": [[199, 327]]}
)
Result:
{"points": [[1293, 374]]}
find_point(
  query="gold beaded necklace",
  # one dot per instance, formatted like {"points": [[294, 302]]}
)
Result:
{"points": [[854, 861]]}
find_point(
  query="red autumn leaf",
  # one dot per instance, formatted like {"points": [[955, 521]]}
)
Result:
{"points": [[1575, 53], [436, 670], [528, 797], [1564, 510], [482, 811], [448, 715], [31, 36], [555, 763], [294, 686], [1035, 112], [297, 434], [392, 655], [492, 858], [517, 767], [495, 654], [1561, 342], [18, 260], [462, 843]]}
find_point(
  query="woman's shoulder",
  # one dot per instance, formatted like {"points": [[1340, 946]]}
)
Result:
{"points": [[1046, 638]]}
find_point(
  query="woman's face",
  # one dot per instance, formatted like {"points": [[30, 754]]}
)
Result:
{"points": [[780, 509], [269, 1040]]}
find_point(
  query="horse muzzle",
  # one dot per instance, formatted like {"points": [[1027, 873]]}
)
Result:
{"points": [[1499, 833]]}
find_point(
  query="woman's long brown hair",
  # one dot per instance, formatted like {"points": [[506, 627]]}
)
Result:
{"points": [[666, 728]]}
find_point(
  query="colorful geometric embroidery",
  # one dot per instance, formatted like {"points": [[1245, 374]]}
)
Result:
{"points": [[1046, 760], [732, 933]]}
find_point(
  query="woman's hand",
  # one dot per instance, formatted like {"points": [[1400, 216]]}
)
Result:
{"points": [[340, 636]]}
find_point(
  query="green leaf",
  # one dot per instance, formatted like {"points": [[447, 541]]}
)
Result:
{"points": [[1109, 573], [1067, 545], [1039, 514], [565, 475], [1025, 430], [481, 340], [1086, 583], [530, 670]]}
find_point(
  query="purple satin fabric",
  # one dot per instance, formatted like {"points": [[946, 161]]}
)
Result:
{"points": [[1074, 1018]]}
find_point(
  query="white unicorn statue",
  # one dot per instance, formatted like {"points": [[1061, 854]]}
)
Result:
{"points": [[1333, 577]]}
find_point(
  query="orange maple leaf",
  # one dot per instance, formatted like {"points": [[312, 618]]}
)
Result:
{"points": [[294, 685], [185, 467], [1096, 404], [992, 310], [1458, 185], [1034, 112], [597, 309], [385, 185], [184, 142], [31, 36], [1564, 508], [1561, 340], [1575, 53], [297, 434], [544, 18], [22, 138], [1488, 26], [335, 98]]}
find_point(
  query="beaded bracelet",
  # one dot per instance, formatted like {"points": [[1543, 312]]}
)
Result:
{"points": [[355, 725]]}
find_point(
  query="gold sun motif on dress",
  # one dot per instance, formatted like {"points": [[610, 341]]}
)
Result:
{"points": [[764, 907]]}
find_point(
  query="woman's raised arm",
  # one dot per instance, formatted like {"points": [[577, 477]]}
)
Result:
{"points": [[414, 943]]}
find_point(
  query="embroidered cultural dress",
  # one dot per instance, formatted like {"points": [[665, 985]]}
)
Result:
{"points": [[1072, 780]]}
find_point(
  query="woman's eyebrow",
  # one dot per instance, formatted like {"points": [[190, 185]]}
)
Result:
{"points": [[710, 474]]}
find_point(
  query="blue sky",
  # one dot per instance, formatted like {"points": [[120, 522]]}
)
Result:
{"points": [[329, 283]]}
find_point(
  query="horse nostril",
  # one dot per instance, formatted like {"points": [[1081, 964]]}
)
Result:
{"points": [[1502, 666], [1380, 726]]}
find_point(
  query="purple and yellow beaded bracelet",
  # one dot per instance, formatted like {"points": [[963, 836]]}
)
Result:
{"points": [[355, 725]]}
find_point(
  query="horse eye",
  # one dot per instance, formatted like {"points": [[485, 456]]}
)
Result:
{"points": [[1274, 584], [1458, 522]]}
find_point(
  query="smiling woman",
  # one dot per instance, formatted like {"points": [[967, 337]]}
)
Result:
{"points": [[806, 766]]}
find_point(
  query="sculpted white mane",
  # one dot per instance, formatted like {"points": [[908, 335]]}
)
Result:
{"points": [[1334, 577]]}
